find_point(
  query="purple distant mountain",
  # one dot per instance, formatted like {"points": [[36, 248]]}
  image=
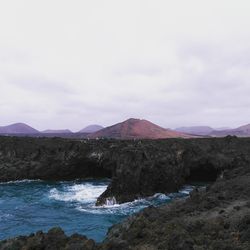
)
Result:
{"points": [[18, 128], [196, 130], [91, 129], [57, 131], [242, 131]]}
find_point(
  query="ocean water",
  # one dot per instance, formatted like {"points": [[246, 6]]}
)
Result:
{"points": [[29, 206]]}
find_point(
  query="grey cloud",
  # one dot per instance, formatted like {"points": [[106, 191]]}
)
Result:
{"points": [[170, 68], [40, 84], [146, 70]]}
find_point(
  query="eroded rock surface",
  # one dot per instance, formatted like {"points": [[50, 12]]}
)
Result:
{"points": [[55, 239], [217, 217], [138, 168], [214, 218]]}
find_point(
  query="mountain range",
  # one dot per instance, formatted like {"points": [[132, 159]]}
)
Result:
{"points": [[242, 131], [129, 129]]}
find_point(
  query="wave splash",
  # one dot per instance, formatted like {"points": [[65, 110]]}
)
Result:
{"points": [[31, 205], [82, 193], [84, 196]]}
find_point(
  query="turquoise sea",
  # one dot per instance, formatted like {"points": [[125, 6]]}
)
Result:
{"points": [[28, 206]]}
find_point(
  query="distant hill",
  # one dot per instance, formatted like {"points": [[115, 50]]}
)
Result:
{"points": [[18, 128], [136, 128], [57, 131], [91, 129], [222, 128], [196, 130], [242, 131]]}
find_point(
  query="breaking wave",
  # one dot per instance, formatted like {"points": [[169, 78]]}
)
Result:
{"points": [[84, 197], [27, 206], [82, 193]]}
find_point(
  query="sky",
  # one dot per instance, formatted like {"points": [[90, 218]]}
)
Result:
{"points": [[70, 63]]}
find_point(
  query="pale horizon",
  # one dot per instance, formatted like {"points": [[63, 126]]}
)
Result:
{"points": [[74, 131]]}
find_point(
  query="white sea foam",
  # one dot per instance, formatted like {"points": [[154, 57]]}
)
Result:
{"points": [[83, 193], [85, 196], [118, 209]]}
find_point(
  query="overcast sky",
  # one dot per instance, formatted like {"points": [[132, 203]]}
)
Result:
{"points": [[69, 63]]}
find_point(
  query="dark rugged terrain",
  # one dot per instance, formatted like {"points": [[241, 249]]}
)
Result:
{"points": [[217, 217], [137, 168]]}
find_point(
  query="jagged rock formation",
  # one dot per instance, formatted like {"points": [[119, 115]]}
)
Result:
{"points": [[215, 218], [49, 159], [55, 239], [212, 219], [137, 168], [148, 167]]}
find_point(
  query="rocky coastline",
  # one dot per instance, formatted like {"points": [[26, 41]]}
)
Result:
{"points": [[215, 218]]}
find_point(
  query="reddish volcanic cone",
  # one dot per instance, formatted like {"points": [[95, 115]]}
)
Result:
{"points": [[136, 128]]}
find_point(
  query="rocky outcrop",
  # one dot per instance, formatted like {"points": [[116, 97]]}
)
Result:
{"points": [[138, 168], [50, 159], [215, 218], [147, 167], [212, 218], [55, 239]]}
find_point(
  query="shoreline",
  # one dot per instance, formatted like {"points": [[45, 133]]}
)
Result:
{"points": [[210, 218]]}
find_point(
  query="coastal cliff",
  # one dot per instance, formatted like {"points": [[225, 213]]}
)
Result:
{"points": [[216, 217], [137, 168], [213, 218]]}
